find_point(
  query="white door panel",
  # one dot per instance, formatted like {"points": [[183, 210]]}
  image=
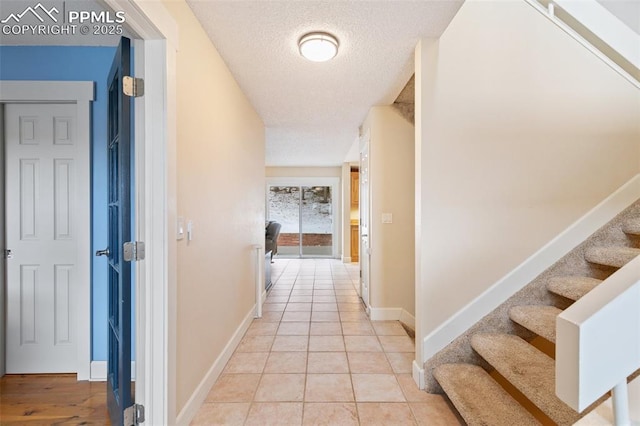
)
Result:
{"points": [[41, 200]]}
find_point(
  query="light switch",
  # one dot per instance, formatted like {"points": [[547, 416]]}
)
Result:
{"points": [[387, 218], [180, 228], [189, 231]]}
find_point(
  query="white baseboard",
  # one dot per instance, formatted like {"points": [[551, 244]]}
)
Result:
{"points": [[384, 314], [407, 319], [537, 263], [346, 259], [192, 406], [392, 314], [98, 371], [418, 375]]}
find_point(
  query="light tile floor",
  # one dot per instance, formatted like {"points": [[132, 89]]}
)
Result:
{"points": [[314, 358]]}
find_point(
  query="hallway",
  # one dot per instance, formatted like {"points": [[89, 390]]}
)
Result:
{"points": [[315, 358]]}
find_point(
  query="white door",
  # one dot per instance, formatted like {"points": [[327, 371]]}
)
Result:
{"points": [[42, 233], [365, 208]]}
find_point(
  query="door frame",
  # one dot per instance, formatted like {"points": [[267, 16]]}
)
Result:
{"points": [[334, 183], [155, 41], [365, 211], [79, 93]]}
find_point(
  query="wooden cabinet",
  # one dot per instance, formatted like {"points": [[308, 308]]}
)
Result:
{"points": [[355, 243], [355, 188]]}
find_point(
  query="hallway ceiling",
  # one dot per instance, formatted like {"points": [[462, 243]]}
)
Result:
{"points": [[312, 111]]}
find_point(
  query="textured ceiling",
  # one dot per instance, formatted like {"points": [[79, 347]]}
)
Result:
{"points": [[312, 111]]}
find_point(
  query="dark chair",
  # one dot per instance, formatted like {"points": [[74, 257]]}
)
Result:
{"points": [[271, 238]]}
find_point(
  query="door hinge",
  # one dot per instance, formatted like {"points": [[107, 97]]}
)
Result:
{"points": [[7, 254], [134, 415], [132, 86], [133, 251]]}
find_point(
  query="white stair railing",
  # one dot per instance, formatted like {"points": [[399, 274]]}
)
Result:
{"points": [[598, 343], [627, 47]]}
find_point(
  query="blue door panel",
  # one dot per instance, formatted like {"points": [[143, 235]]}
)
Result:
{"points": [[119, 395]]}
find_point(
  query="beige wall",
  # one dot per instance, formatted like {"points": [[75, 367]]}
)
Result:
{"points": [[220, 150], [303, 172], [520, 132], [391, 177]]}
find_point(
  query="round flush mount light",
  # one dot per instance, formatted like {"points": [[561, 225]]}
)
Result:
{"points": [[318, 47]]}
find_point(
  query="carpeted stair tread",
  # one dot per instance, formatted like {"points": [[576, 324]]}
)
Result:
{"points": [[572, 287], [479, 399], [540, 319], [529, 370], [616, 257], [632, 226]]}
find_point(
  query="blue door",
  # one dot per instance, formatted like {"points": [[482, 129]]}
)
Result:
{"points": [[119, 392]]}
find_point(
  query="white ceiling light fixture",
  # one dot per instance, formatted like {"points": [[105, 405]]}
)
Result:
{"points": [[318, 46]]}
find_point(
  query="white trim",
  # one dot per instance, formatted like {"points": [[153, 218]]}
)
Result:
{"points": [[82, 94], [260, 278], [418, 375], [46, 91], [84, 243], [407, 319], [392, 314], [346, 259], [99, 371], [157, 391], [200, 394], [385, 314], [537, 263], [149, 20]]}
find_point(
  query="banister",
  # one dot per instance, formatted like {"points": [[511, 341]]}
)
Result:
{"points": [[598, 342], [549, 13]]}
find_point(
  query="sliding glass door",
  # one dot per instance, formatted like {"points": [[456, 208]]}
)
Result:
{"points": [[306, 213], [316, 224]]}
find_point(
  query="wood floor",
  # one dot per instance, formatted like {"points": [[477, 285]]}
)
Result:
{"points": [[56, 399]]}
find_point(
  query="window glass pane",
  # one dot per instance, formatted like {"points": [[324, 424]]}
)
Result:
{"points": [[317, 222], [284, 208]]}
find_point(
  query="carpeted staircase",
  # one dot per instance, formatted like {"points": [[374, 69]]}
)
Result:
{"points": [[502, 371]]}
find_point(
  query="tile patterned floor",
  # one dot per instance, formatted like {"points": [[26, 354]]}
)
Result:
{"points": [[316, 359]]}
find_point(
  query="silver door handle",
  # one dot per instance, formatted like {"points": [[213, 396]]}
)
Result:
{"points": [[104, 252]]}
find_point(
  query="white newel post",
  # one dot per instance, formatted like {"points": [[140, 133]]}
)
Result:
{"points": [[620, 396], [634, 400], [259, 279]]}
